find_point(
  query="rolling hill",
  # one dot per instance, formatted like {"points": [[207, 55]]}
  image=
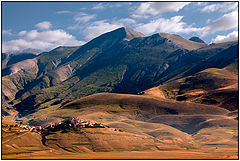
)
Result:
{"points": [[146, 123]]}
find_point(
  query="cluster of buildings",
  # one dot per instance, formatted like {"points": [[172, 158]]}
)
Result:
{"points": [[74, 122], [31, 128], [24, 127], [77, 122]]}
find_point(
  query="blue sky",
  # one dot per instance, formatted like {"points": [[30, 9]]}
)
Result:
{"points": [[46, 25]]}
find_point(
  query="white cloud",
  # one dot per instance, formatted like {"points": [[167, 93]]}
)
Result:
{"points": [[176, 25], [127, 20], [116, 4], [20, 44], [200, 3], [41, 40], [44, 25], [83, 17], [222, 7], [50, 36], [154, 8], [99, 6], [22, 33], [81, 20], [63, 12], [99, 27], [172, 25], [124, 21], [224, 23], [224, 38], [7, 32], [73, 27], [33, 34]]}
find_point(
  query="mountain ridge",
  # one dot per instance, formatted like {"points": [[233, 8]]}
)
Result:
{"points": [[182, 42], [139, 63]]}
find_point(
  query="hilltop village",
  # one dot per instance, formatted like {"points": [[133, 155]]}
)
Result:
{"points": [[75, 123]]}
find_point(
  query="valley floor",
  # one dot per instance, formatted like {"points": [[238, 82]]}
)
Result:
{"points": [[221, 153]]}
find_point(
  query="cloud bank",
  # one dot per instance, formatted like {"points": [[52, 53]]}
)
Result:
{"points": [[45, 25], [45, 40], [153, 8], [233, 36], [221, 7]]}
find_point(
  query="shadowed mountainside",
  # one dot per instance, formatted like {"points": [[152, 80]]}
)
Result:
{"points": [[197, 39]]}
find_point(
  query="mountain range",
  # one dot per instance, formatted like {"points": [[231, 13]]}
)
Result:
{"points": [[121, 61], [128, 80]]}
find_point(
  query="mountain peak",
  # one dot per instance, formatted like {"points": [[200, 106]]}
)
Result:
{"points": [[182, 42], [196, 39], [130, 33], [121, 33]]}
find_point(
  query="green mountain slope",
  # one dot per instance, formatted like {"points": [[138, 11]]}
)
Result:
{"points": [[121, 61]]}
